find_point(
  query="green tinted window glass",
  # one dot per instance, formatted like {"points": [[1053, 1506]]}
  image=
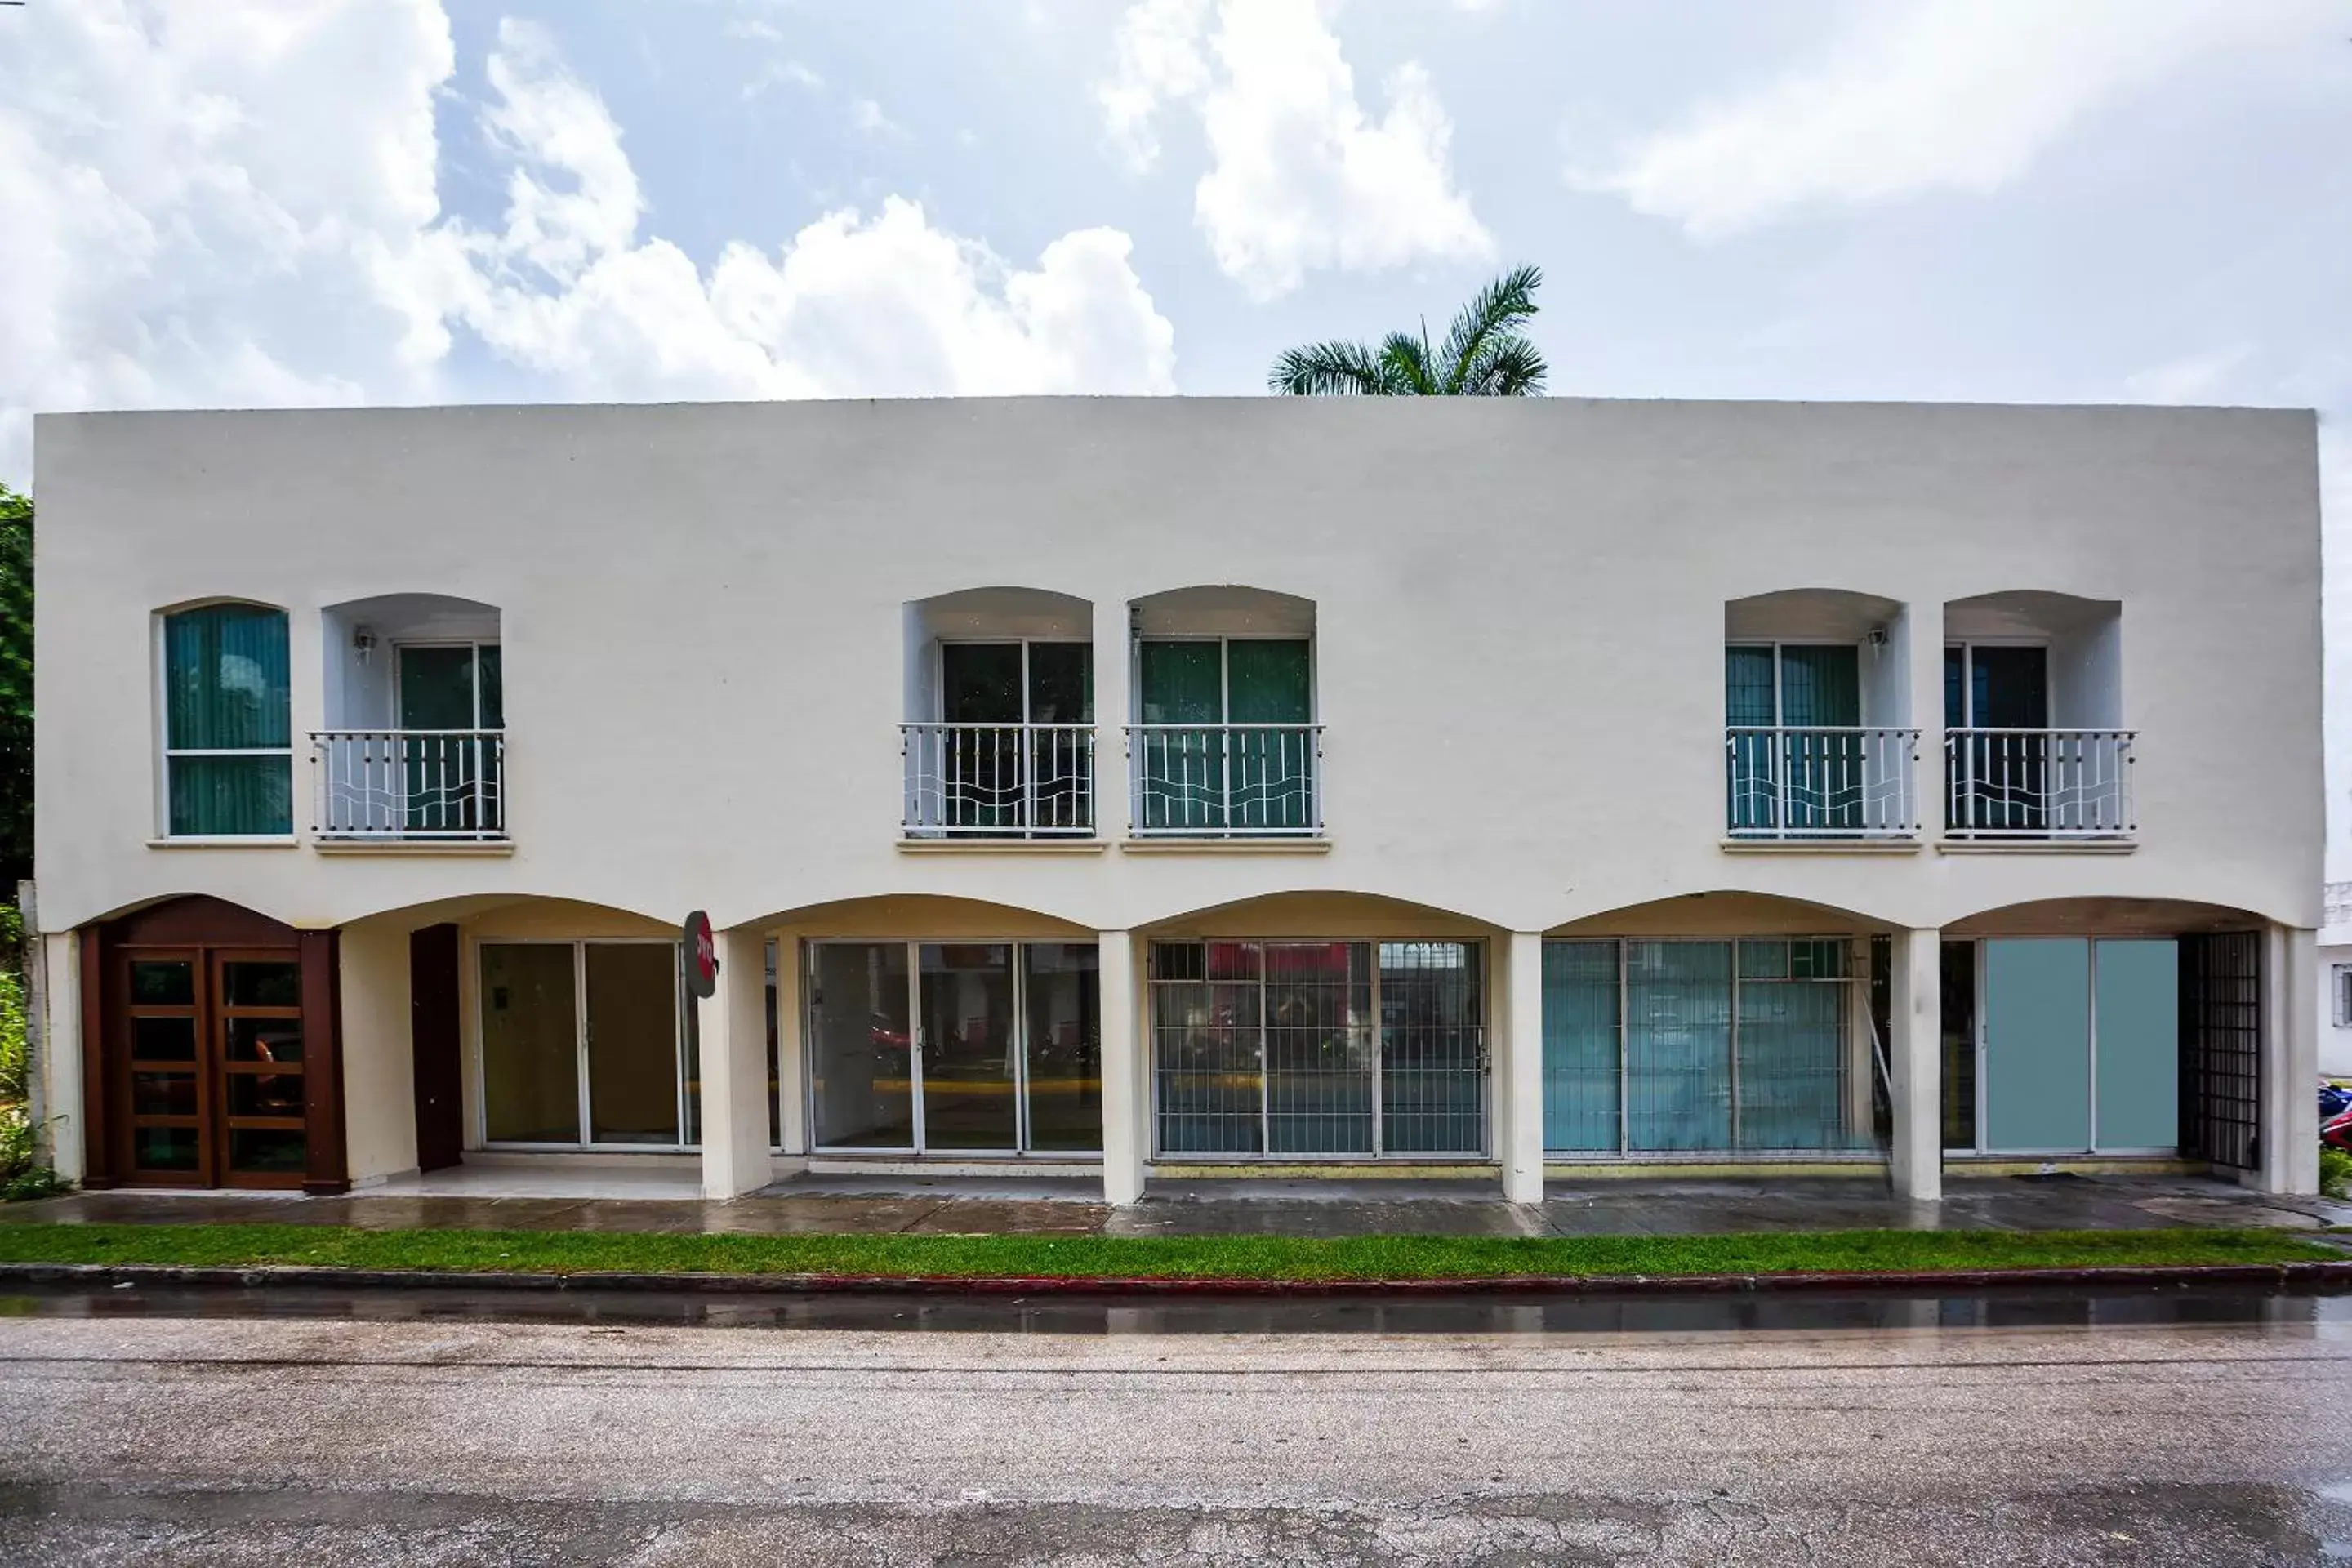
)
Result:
{"points": [[1061, 683], [980, 683], [1267, 682], [491, 669], [1182, 682], [224, 675]]}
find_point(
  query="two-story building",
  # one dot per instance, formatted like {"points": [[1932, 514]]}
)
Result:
{"points": [[1180, 785]]}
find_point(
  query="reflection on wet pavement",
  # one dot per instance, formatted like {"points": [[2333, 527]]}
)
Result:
{"points": [[2019, 1308]]}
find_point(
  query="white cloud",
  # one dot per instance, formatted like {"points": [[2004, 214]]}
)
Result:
{"points": [[1300, 178], [198, 199], [783, 73], [850, 306], [867, 116], [1928, 95], [235, 204]]}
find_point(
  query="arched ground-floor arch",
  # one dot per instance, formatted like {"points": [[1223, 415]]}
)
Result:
{"points": [[1713, 1028], [210, 1050], [2106, 1027]]}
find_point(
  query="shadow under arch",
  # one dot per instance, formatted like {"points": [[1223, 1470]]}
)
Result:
{"points": [[1724, 913], [1315, 913], [1838, 614], [512, 910], [1228, 609], [906, 916], [2097, 916]]}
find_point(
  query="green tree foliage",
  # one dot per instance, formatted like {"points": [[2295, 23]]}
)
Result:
{"points": [[1485, 354], [15, 691]]}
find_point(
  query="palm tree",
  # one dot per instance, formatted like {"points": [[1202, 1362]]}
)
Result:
{"points": [[1485, 354]]}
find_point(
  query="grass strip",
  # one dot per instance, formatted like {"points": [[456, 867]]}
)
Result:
{"points": [[1256, 1258]]}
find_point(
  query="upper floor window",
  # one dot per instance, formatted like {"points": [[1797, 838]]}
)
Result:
{"points": [[228, 741], [2034, 743], [1815, 701], [1225, 742], [998, 737], [414, 746]]}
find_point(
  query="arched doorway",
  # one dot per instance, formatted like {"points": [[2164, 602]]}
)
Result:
{"points": [[216, 1059]]}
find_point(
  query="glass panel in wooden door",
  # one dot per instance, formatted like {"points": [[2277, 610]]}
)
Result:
{"points": [[531, 1043], [261, 1066], [441, 749], [633, 1068], [970, 1078], [168, 1096], [861, 1067]]}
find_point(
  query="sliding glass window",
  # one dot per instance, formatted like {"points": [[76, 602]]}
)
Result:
{"points": [[581, 1046], [1682, 1046], [969, 1047]]}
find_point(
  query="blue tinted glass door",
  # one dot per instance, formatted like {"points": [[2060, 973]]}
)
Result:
{"points": [[2037, 1073]]}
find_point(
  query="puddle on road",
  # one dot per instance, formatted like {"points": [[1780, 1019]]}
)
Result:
{"points": [[2022, 1307]]}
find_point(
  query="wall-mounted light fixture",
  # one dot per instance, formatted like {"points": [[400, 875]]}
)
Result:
{"points": [[362, 643]]}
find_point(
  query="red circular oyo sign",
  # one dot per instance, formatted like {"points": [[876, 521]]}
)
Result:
{"points": [[701, 955]]}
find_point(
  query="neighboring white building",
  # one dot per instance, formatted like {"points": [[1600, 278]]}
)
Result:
{"points": [[1181, 785], [2334, 967]]}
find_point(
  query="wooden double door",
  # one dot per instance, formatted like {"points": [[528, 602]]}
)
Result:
{"points": [[215, 1066]]}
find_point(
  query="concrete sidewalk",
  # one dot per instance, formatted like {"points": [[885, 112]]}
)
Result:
{"points": [[967, 1206]]}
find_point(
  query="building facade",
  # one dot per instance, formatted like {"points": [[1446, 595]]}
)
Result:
{"points": [[1192, 785]]}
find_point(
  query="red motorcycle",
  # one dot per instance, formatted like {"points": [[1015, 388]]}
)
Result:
{"points": [[2336, 1132]]}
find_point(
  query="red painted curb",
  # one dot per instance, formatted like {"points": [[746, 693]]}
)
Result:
{"points": [[2322, 1274]]}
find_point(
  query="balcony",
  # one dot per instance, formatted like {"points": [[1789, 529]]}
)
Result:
{"points": [[423, 785], [2038, 783], [1225, 781], [1833, 782], [998, 781]]}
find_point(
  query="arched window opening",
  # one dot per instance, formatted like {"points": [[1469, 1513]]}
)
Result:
{"points": [[228, 741]]}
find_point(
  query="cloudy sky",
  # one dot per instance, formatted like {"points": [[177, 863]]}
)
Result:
{"points": [[246, 202], [265, 202]]}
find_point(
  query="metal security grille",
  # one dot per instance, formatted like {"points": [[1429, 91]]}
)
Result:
{"points": [[1432, 1048], [1319, 1048], [2220, 1047]]}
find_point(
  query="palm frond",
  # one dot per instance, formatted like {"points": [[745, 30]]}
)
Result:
{"points": [[1509, 366], [1335, 369], [1485, 354], [1406, 359], [1498, 308]]}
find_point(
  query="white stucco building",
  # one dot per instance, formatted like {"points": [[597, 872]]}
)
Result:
{"points": [[1180, 785]]}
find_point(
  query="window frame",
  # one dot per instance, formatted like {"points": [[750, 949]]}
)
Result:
{"points": [[165, 753]]}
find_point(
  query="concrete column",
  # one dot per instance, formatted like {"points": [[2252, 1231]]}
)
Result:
{"points": [[61, 1043], [734, 1024], [1915, 1063], [1519, 1080], [2290, 1109], [1113, 639], [1125, 1104], [791, 1046], [1921, 625]]}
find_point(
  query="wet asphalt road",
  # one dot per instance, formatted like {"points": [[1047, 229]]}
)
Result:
{"points": [[1912, 1433]]}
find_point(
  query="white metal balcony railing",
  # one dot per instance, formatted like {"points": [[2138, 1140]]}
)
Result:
{"points": [[1225, 781], [2038, 783], [410, 783], [1828, 782], [999, 780]]}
